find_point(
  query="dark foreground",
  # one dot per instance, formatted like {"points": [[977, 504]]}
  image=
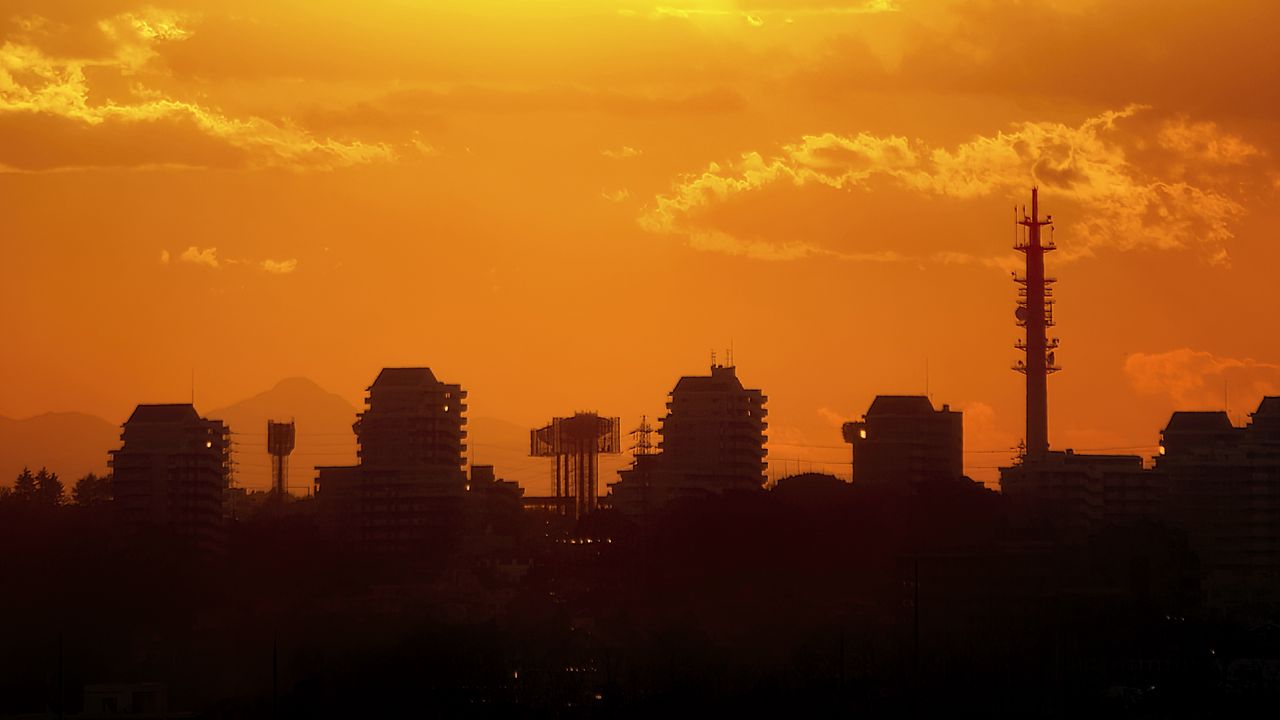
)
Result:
{"points": [[811, 599]]}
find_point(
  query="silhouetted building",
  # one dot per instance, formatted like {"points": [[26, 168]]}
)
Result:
{"points": [[712, 441], [1224, 490], [172, 473], [576, 443], [408, 488], [902, 439], [1079, 494]]}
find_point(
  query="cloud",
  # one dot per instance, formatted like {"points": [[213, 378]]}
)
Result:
{"points": [[755, 15], [831, 417], [280, 267], [1205, 141], [207, 257], [54, 116], [164, 257], [621, 153], [1195, 379], [1123, 206], [615, 196]]}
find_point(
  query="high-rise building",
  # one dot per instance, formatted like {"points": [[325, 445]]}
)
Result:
{"points": [[172, 473], [1223, 485], [408, 488], [712, 441], [1078, 494], [902, 439]]}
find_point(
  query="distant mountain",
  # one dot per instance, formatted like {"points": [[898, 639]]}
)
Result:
{"points": [[324, 435], [68, 443]]}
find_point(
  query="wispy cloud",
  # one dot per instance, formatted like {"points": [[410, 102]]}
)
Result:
{"points": [[621, 153], [1125, 207], [758, 15], [207, 256], [280, 267], [43, 94], [1195, 379]]}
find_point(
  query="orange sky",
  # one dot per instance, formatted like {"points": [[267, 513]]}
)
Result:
{"points": [[567, 205]]}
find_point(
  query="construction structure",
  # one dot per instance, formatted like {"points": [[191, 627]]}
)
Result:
{"points": [[280, 443], [1035, 313], [903, 440], [172, 473], [576, 444]]}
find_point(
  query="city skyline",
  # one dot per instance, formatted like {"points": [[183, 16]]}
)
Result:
{"points": [[795, 194], [639, 358]]}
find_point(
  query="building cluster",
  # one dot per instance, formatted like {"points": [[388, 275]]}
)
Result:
{"points": [[1217, 482]]}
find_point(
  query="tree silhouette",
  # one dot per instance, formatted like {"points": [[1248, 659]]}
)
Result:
{"points": [[24, 488], [91, 490], [49, 490]]}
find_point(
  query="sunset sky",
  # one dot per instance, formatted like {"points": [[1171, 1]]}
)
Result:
{"points": [[568, 205]]}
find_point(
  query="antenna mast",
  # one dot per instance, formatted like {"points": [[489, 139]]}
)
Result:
{"points": [[1035, 313]]}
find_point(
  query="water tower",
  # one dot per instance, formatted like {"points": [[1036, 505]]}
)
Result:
{"points": [[280, 440], [576, 443]]}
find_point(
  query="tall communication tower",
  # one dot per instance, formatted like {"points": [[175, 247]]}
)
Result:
{"points": [[576, 443], [280, 441], [1035, 313]]}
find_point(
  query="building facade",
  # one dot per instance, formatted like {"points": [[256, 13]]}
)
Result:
{"points": [[712, 441], [1223, 489], [172, 474], [409, 485], [902, 439]]}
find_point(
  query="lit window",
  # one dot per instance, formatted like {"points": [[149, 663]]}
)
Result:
{"points": [[862, 433], [208, 443], [446, 408], [1161, 449]]}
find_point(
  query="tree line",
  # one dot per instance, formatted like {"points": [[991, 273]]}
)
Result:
{"points": [[45, 489]]}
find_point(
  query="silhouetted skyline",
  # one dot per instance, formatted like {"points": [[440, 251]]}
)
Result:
{"points": [[582, 359]]}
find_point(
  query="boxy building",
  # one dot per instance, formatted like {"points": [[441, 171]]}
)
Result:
{"points": [[902, 439], [172, 473], [409, 486]]}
